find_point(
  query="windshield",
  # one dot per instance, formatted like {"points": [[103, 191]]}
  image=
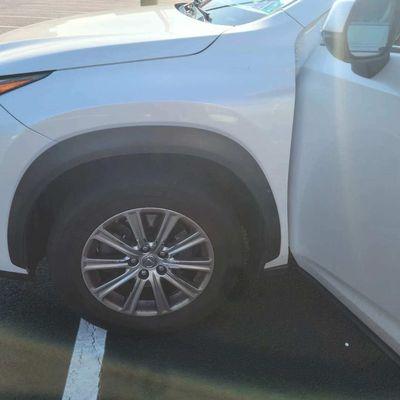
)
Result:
{"points": [[232, 12]]}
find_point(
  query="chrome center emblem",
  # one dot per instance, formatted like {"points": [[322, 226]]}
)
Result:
{"points": [[149, 261]]}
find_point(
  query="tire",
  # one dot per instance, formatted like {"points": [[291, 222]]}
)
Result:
{"points": [[193, 204]]}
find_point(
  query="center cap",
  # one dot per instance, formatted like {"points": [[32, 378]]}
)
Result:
{"points": [[149, 261]]}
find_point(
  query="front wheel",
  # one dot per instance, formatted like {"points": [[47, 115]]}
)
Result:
{"points": [[145, 258]]}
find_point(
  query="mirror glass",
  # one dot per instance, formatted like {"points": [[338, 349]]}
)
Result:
{"points": [[369, 29]]}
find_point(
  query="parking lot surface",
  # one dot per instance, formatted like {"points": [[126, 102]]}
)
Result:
{"points": [[285, 339], [17, 13]]}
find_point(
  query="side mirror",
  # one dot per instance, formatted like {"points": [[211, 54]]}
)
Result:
{"points": [[362, 33]]}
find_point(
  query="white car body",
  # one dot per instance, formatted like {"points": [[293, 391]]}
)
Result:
{"points": [[158, 67], [178, 99]]}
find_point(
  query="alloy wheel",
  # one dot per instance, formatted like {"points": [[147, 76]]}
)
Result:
{"points": [[147, 262]]}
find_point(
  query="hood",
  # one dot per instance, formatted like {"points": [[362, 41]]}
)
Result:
{"points": [[113, 37]]}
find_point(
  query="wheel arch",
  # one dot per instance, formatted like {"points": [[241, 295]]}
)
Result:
{"points": [[91, 147]]}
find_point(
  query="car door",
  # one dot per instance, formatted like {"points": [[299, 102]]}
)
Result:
{"points": [[344, 191]]}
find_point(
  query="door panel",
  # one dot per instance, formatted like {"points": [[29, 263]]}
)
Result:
{"points": [[345, 187]]}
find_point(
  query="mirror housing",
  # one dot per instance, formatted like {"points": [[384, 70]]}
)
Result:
{"points": [[362, 33]]}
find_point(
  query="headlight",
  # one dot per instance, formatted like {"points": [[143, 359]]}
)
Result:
{"points": [[9, 83]]}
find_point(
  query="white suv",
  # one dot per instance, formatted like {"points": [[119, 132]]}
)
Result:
{"points": [[147, 154]]}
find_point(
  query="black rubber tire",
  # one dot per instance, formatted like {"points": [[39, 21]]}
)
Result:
{"points": [[84, 211]]}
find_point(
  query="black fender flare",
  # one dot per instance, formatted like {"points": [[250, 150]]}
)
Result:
{"points": [[87, 147]]}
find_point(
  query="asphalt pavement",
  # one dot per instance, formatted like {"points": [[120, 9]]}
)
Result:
{"points": [[18, 13], [284, 339]]}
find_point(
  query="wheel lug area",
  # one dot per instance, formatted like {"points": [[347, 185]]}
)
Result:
{"points": [[146, 248], [132, 262], [161, 269], [163, 254], [143, 274]]}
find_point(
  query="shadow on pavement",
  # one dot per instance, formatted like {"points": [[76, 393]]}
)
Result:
{"points": [[286, 340], [37, 335], [283, 339]]}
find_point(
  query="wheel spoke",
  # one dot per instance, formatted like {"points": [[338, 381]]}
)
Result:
{"points": [[93, 264], [182, 285], [159, 294], [111, 240], [106, 288], [134, 297], [136, 224], [167, 225], [190, 241], [193, 265]]}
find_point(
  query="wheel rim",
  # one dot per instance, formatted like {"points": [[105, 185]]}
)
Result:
{"points": [[147, 262]]}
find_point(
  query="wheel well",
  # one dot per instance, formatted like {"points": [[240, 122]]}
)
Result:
{"points": [[216, 177], [89, 158]]}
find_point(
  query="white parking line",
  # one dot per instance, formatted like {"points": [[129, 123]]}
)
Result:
{"points": [[84, 371]]}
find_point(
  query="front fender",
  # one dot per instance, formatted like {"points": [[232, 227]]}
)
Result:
{"points": [[251, 103], [99, 145]]}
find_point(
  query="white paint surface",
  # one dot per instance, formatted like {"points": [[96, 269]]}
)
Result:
{"points": [[84, 371]]}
